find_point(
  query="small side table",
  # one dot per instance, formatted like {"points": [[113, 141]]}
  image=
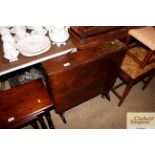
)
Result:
{"points": [[25, 104]]}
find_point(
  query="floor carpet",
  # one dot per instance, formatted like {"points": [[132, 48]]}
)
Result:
{"points": [[98, 113]]}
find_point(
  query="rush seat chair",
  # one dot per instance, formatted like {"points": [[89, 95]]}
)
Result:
{"points": [[130, 73], [146, 37]]}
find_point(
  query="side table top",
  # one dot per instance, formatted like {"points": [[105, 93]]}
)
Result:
{"points": [[15, 104], [89, 54]]}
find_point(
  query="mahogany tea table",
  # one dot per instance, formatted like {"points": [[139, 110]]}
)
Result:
{"points": [[25, 104]]}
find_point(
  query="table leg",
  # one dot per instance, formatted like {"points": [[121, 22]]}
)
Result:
{"points": [[62, 117], [107, 96], [34, 125], [41, 121], [49, 119]]}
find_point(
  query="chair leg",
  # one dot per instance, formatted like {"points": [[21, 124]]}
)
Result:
{"points": [[147, 81], [146, 59], [49, 119], [125, 93]]}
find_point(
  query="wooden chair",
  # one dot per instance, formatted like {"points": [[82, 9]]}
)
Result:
{"points": [[130, 73], [145, 36], [25, 104]]}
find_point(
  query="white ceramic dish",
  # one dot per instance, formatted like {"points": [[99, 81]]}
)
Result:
{"points": [[33, 45], [36, 53]]}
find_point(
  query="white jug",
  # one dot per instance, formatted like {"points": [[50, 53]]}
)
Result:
{"points": [[19, 31], [39, 30], [59, 35]]}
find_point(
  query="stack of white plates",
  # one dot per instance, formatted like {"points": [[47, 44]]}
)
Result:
{"points": [[33, 45]]}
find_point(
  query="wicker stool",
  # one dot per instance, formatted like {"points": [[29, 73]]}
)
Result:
{"points": [[25, 104], [146, 36]]}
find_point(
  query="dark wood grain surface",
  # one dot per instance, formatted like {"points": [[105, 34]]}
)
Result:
{"points": [[89, 73], [89, 36], [23, 103], [83, 32], [83, 56]]}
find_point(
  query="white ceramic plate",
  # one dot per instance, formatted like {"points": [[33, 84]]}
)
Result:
{"points": [[33, 45], [37, 53]]}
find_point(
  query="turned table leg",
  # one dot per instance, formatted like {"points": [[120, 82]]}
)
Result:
{"points": [[41, 121], [34, 125], [106, 95], [62, 117], [49, 120]]}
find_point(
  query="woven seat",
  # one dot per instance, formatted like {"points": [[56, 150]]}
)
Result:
{"points": [[130, 73], [130, 67]]}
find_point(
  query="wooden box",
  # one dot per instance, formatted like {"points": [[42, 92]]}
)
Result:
{"points": [[90, 36]]}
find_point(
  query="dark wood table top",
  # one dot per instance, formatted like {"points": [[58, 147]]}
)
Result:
{"points": [[23, 102], [54, 51], [107, 48], [85, 37]]}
